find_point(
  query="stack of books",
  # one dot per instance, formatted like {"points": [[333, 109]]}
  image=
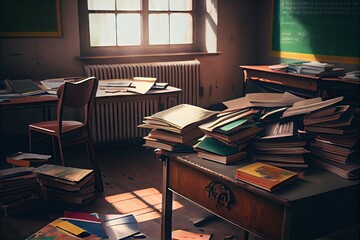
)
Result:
{"points": [[23, 159], [279, 145], [226, 137], [336, 130], [314, 68], [321, 69], [176, 129], [66, 184], [19, 190]]}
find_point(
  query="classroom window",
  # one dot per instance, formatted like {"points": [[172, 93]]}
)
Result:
{"points": [[122, 22], [115, 27]]}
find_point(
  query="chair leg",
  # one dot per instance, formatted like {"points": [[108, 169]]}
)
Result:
{"points": [[60, 150], [30, 140], [95, 164]]}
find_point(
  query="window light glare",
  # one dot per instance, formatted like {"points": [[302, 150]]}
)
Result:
{"points": [[158, 5], [128, 5], [129, 26], [181, 28], [158, 29], [102, 30], [101, 4], [180, 5]]}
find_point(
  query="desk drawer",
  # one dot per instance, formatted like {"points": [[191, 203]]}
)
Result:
{"points": [[248, 210]]}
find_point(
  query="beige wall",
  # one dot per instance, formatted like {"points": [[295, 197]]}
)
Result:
{"points": [[41, 58], [243, 39]]}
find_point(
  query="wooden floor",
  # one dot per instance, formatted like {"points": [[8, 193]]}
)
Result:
{"points": [[132, 184]]}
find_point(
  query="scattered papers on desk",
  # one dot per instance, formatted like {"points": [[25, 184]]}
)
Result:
{"points": [[55, 83], [142, 84], [262, 100], [309, 105], [24, 87]]}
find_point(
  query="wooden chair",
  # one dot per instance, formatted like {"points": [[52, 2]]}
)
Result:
{"points": [[70, 129]]}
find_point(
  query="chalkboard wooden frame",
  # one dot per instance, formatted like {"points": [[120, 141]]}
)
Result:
{"points": [[328, 43], [35, 18]]}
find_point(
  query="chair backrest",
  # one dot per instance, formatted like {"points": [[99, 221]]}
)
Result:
{"points": [[78, 95]]}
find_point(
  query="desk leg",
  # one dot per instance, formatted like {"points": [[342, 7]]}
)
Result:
{"points": [[167, 197], [246, 235]]}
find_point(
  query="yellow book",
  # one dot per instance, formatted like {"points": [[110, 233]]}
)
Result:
{"points": [[265, 176]]}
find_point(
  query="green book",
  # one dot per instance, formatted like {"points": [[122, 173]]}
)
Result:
{"points": [[212, 145], [234, 126]]}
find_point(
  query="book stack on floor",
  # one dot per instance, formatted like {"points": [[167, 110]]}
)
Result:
{"points": [[335, 146], [66, 184], [175, 129], [27, 159], [226, 137], [278, 145], [19, 190], [89, 226]]}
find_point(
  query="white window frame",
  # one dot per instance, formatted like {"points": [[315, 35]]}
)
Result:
{"points": [[145, 48]]}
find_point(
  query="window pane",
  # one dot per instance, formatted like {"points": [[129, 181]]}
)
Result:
{"points": [[158, 29], [181, 31], [101, 4], [128, 5], [180, 5], [158, 5], [102, 29], [129, 26]]}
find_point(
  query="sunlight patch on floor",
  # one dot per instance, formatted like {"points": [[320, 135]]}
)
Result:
{"points": [[145, 204]]}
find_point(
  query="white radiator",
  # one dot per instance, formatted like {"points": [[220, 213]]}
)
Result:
{"points": [[118, 120]]}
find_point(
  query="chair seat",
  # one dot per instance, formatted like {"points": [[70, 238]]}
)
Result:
{"points": [[50, 127]]}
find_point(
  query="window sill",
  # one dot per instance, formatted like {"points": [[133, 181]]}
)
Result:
{"points": [[148, 55]]}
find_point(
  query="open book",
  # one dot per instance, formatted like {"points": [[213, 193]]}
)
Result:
{"points": [[25, 87]]}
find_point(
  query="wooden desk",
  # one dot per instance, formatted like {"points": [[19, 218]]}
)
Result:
{"points": [[316, 205], [116, 115], [302, 84]]}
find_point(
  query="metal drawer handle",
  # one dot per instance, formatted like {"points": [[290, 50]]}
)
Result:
{"points": [[221, 193]]}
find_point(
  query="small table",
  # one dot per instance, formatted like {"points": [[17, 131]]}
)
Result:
{"points": [[315, 205]]}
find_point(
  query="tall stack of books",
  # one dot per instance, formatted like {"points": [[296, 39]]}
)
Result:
{"points": [[336, 130], [66, 184], [19, 190], [226, 137], [176, 129], [279, 145]]}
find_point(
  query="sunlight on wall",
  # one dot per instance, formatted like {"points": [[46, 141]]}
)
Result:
{"points": [[211, 22], [144, 204]]}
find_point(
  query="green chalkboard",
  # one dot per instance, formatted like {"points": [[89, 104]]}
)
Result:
{"points": [[30, 18], [327, 30]]}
